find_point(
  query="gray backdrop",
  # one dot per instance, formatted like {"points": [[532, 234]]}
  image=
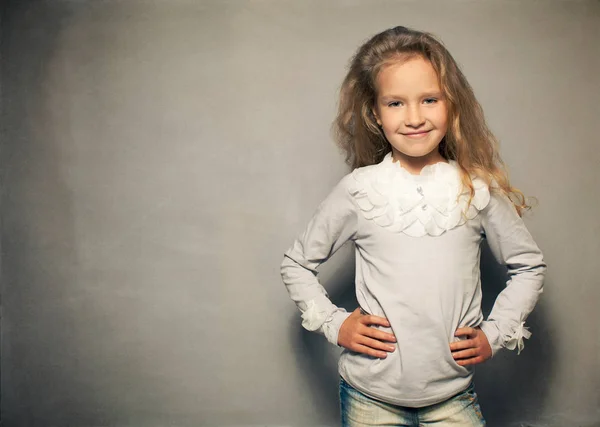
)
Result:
{"points": [[158, 157]]}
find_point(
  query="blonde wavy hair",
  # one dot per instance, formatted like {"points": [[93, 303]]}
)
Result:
{"points": [[468, 140]]}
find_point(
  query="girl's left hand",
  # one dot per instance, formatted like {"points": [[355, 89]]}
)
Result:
{"points": [[473, 350]]}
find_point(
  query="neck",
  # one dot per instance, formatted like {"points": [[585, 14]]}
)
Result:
{"points": [[414, 165]]}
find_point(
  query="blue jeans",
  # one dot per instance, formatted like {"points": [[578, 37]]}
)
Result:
{"points": [[359, 410]]}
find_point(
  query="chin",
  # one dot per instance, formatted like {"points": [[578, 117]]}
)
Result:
{"points": [[417, 154], [420, 154]]}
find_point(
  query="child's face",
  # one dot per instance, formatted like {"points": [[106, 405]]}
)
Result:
{"points": [[412, 112]]}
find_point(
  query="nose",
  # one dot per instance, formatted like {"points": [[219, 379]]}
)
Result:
{"points": [[414, 116]]}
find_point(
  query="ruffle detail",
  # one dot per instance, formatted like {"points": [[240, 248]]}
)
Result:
{"points": [[417, 205], [312, 317], [516, 340]]}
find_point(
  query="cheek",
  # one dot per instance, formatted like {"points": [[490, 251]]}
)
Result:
{"points": [[391, 119], [442, 119], [444, 124]]}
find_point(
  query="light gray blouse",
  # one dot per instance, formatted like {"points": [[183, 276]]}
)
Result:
{"points": [[417, 242]]}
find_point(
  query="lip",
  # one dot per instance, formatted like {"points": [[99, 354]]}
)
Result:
{"points": [[416, 135]]}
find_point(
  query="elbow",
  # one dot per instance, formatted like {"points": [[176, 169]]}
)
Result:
{"points": [[290, 269], [537, 267], [541, 268], [284, 267], [538, 275]]}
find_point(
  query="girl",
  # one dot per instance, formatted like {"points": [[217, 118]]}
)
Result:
{"points": [[427, 187]]}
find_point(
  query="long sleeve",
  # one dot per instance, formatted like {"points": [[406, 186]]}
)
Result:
{"points": [[513, 246], [333, 224]]}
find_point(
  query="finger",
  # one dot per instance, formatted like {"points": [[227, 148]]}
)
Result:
{"points": [[356, 312], [375, 320], [465, 354], [472, 361], [377, 345], [370, 351], [377, 334], [469, 332], [461, 345]]}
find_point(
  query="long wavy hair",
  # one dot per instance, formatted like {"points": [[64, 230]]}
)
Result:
{"points": [[468, 140]]}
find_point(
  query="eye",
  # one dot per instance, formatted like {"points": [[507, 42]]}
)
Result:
{"points": [[394, 104], [430, 100]]}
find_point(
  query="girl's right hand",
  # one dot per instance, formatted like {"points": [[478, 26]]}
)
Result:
{"points": [[356, 334]]}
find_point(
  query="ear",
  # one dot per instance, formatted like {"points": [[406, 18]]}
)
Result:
{"points": [[376, 115]]}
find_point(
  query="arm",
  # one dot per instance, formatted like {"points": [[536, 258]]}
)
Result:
{"points": [[513, 246], [333, 224]]}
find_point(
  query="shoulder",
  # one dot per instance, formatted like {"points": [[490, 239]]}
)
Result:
{"points": [[342, 188], [373, 171], [357, 181], [339, 201], [374, 181], [500, 206]]}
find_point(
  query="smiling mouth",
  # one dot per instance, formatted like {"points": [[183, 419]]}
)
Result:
{"points": [[416, 134]]}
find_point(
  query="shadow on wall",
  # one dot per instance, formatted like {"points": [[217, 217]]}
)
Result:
{"points": [[316, 357], [37, 225], [52, 356], [512, 389]]}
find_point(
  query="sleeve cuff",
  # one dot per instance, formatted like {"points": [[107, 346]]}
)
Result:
{"points": [[331, 327], [492, 334], [514, 341]]}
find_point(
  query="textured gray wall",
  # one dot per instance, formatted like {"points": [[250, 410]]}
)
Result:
{"points": [[159, 156]]}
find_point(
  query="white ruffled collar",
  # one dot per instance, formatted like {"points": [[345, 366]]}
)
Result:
{"points": [[426, 204]]}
